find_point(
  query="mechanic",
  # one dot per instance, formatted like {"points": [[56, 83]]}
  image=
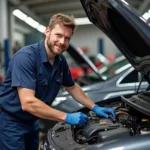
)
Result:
{"points": [[32, 81]]}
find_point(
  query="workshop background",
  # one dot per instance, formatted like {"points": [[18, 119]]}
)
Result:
{"points": [[23, 22]]}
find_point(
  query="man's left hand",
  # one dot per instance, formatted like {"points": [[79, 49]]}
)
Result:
{"points": [[103, 111]]}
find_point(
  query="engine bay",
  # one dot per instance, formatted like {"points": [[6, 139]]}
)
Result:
{"points": [[128, 122]]}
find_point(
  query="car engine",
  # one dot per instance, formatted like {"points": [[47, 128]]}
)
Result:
{"points": [[99, 130], [128, 122]]}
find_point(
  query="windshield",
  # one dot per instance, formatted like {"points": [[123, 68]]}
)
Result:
{"points": [[113, 69]]}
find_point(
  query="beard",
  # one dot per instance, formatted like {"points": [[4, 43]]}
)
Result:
{"points": [[51, 47]]}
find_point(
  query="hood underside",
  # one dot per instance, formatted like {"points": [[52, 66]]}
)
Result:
{"points": [[129, 32]]}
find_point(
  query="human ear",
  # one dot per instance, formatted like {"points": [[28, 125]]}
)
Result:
{"points": [[47, 31]]}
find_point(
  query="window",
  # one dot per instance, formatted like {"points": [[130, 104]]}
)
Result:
{"points": [[132, 77]]}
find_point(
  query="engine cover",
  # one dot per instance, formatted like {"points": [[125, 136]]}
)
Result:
{"points": [[105, 130]]}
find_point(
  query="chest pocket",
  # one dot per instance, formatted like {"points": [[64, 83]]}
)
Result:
{"points": [[58, 83], [59, 80], [59, 76], [41, 86], [42, 81]]}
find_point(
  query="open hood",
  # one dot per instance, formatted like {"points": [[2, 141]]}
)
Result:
{"points": [[78, 55], [129, 31]]}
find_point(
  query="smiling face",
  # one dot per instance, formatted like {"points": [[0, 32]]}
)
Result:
{"points": [[58, 39]]}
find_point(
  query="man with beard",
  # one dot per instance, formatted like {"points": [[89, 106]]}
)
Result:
{"points": [[32, 82]]}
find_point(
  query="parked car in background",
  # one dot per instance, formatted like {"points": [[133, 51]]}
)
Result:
{"points": [[124, 83]]}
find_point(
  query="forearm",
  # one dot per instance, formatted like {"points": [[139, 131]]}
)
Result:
{"points": [[77, 93], [40, 109]]}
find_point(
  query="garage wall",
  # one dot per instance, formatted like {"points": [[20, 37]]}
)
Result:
{"points": [[88, 36], [19, 37]]}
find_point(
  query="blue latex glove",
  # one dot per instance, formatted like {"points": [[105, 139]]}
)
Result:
{"points": [[76, 119], [103, 111]]}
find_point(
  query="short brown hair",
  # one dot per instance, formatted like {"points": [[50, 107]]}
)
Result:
{"points": [[62, 19]]}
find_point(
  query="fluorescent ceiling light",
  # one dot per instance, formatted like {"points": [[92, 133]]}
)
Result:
{"points": [[41, 28], [19, 14], [82, 21], [32, 22]]}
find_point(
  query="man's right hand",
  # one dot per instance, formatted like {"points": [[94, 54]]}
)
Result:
{"points": [[76, 119]]}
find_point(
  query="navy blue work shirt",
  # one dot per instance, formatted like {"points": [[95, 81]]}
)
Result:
{"points": [[30, 68]]}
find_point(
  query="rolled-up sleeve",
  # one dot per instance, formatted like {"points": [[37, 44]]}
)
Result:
{"points": [[24, 71]]}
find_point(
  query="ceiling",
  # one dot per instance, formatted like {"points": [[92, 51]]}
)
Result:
{"points": [[42, 10]]}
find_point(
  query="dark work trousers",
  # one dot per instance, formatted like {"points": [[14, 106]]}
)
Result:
{"points": [[16, 135]]}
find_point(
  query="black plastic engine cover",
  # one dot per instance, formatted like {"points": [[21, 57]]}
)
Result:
{"points": [[103, 128], [113, 134]]}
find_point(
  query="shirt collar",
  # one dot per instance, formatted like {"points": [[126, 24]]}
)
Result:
{"points": [[43, 54]]}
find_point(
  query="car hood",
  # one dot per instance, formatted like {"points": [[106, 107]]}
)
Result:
{"points": [[93, 87], [78, 55], [129, 31]]}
